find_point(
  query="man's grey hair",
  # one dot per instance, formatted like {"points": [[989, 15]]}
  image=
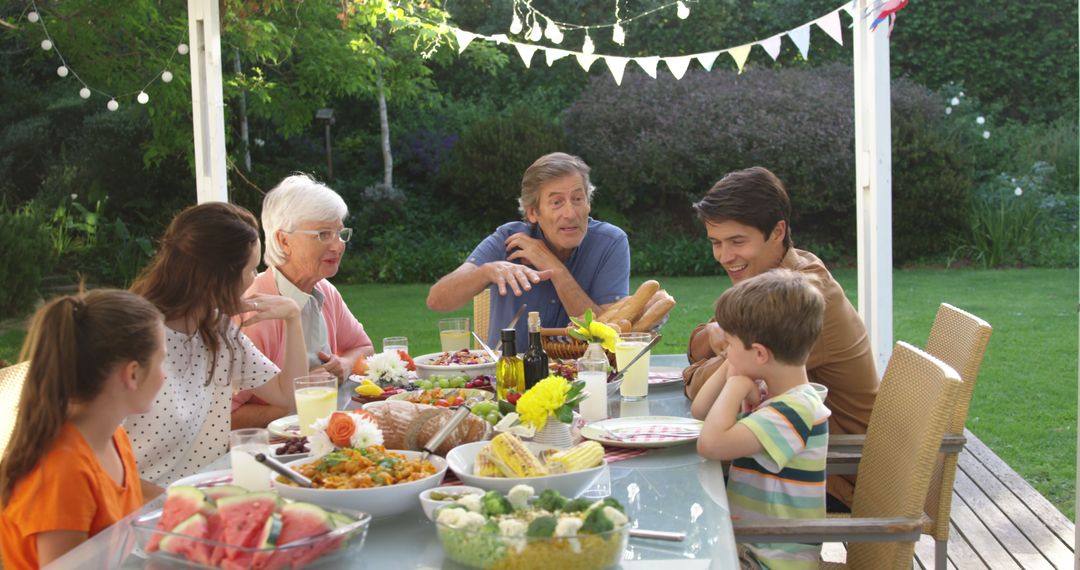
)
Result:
{"points": [[296, 200], [547, 168]]}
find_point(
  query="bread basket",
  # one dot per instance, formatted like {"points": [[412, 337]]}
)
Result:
{"points": [[558, 344]]}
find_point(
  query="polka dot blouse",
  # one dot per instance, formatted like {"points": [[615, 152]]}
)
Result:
{"points": [[188, 426]]}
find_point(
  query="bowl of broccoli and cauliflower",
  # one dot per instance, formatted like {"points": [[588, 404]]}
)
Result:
{"points": [[522, 531]]}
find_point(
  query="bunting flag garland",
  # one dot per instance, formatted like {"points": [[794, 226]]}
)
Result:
{"points": [[676, 64]]}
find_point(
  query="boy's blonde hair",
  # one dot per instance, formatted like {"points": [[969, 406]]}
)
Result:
{"points": [[781, 309]]}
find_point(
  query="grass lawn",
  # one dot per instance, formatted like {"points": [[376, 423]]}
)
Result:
{"points": [[1025, 403]]}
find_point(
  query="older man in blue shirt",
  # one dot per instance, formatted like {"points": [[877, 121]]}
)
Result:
{"points": [[559, 260]]}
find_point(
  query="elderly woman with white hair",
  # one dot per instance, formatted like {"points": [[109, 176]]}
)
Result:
{"points": [[305, 239]]}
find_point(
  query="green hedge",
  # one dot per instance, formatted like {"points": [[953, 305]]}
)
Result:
{"points": [[25, 255]]}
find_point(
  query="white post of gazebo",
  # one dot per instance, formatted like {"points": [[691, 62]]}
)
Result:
{"points": [[873, 182], [207, 100]]}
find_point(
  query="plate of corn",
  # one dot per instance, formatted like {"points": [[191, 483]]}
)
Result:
{"points": [[506, 461]]}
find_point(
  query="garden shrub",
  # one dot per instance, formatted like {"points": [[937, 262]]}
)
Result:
{"points": [[657, 145], [484, 171], [24, 258]]}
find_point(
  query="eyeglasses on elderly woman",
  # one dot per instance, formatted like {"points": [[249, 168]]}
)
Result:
{"points": [[324, 236]]}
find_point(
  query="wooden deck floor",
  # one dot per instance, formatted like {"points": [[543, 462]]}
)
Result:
{"points": [[998, 520]]}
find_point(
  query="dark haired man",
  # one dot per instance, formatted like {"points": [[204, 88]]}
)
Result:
{"points": [[746, 216]]}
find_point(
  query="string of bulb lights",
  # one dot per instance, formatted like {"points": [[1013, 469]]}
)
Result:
{"points": [[553, 29], [65, 70]]}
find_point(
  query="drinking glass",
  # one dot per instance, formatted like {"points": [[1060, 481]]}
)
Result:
{"points": [[244, 444], [635, 384], [628, 408], [395, 343], [454, 334], [594, 373], [316, 397]]}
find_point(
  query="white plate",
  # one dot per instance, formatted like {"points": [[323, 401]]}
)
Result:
{"points": [[616, 425], [673, 375], [271, 451], [288, 426]]}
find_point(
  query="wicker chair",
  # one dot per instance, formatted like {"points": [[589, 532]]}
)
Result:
{"points": [[11, 383], [481, 315], [959, 339], [913, 408]]}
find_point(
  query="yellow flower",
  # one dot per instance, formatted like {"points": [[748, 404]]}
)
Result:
{"points": [[605, 334], [542, 400]]}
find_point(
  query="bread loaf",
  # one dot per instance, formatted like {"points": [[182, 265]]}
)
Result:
{"points": [[632, 310], [655, 314], [606, 315], [624, 325], [406, 425]]}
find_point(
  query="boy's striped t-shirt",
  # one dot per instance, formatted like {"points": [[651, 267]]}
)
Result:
{"points": [[787, 478]]}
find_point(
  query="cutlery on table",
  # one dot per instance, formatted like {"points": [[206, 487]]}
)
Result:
{"points": [[436, 440], [487, 349], [281, 469], [513, 321], [658, 534]]}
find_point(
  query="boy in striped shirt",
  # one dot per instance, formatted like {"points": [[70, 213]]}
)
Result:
{"points": [[776, 436]]}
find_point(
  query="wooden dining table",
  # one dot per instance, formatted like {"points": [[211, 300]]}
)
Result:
{"points": [[666, 489]]}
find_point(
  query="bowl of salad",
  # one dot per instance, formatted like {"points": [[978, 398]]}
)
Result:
{"points": [[465, 362], [520, 530]]}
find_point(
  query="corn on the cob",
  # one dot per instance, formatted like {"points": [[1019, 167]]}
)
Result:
{"points": [[584, 455], [513, 458], [483, 466]]}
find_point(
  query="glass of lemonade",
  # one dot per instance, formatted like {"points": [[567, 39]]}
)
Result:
{"points": [[316, 397], [244, 444], [454, 334], [635, 384], [395, 343]]}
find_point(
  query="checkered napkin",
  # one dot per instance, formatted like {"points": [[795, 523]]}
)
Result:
{"points": [[611, 455], [653, 433], [665, 377]]}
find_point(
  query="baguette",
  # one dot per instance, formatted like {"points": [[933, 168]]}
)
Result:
{"points": [[632, 310], [654, 315], [652, 300], [606, 315], [624, 325]]}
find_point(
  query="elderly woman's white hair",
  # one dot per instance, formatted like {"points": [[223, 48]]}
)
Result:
{"points": [[295, 200]]}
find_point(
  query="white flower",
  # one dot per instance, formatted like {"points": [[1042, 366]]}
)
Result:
{"points": [[320, 443], [955, 101], [367, 433], [961, 93], [986, 134], [980, 120], [1019, 191], [948, 110], [74, 196], [386, 368]]}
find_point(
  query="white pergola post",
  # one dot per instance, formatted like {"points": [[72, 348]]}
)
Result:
{"points": [[207, 101], [873, 182]]}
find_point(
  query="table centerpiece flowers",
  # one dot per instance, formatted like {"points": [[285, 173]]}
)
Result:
{"points": [[387, 369], [355, 428], [553, 397]]}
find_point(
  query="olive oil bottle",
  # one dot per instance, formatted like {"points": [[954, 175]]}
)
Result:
{"points": [[509, 370]]}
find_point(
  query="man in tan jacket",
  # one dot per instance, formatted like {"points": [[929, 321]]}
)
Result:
{"points": [[746, 215]]}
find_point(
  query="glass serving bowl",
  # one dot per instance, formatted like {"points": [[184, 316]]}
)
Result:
{"points": [[480, 549], [327, 550]]}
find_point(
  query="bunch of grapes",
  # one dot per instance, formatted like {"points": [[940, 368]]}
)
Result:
{"points": [[292, 446]]}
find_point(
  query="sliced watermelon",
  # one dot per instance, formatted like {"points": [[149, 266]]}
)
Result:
{"points": [[220, 491], [196, 551], [181, 501], [300, 521], [244, 520]]}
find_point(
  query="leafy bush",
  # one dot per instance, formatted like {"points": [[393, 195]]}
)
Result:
{"points": [[486, 164], [657, 145], [24, 258]]}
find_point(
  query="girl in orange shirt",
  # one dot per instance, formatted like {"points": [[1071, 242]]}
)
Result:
{"points": [[68, 471]]}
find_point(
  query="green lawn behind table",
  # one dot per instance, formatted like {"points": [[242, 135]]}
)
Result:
{"points": [[1024, 406]]}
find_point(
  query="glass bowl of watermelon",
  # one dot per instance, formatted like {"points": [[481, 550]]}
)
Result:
{"points": [[228, 527]]}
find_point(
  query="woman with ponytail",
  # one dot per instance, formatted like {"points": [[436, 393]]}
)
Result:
{"points": [[207, 258], [69, 471]]}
